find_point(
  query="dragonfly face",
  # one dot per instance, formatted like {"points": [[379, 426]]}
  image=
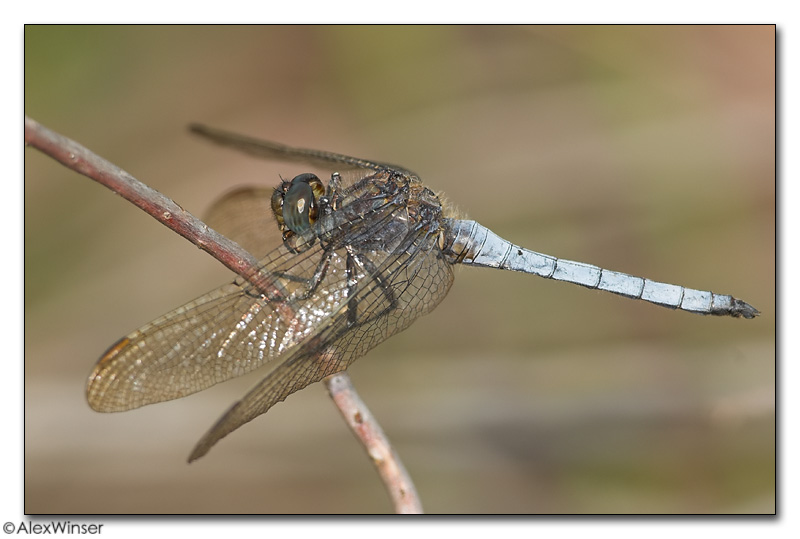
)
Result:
{"points": [[295, 205]]}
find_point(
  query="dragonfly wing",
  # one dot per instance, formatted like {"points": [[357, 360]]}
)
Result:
{"points": [[393, 291], [290, 376], [224, 334], [245, 216], [279, 152], [176, 354]]}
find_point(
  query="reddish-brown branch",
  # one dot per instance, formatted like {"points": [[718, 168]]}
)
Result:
{"points": [[74, 156], [78, 158], [368, 431]]}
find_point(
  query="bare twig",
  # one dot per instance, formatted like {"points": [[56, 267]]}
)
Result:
{"points": [[371, 436], [76, 157], [80, 159]]}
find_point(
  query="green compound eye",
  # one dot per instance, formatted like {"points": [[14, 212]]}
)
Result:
{"points": [[296, 208], [298, 204]]}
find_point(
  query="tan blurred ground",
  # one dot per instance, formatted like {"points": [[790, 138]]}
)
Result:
{"points": [[648, 150]]}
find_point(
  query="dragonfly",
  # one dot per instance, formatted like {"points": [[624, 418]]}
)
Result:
{"points": [[345, 262]]}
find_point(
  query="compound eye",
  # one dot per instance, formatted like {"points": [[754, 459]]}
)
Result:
{"points": [[299, 206], [295, 205], [300, 202]]}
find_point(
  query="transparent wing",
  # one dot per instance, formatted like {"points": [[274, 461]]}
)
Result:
{"points": [[223, 334], [245, 216], [388, 299], [273, 150]]}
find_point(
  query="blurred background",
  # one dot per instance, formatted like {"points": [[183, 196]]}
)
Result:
{"points": [[643, 149]]}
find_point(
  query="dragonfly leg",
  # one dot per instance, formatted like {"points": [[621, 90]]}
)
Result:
{"points": [[352, 287], [366, 265], [333, 191], [311, 283]]}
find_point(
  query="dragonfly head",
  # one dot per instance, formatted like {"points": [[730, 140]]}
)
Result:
{"points": [[296, 208]]}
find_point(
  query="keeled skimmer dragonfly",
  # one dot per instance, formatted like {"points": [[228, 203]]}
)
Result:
{"points": [[349, 262]]}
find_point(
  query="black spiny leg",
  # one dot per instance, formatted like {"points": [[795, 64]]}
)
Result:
{"points": [[352, 286], [369, 268]]}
